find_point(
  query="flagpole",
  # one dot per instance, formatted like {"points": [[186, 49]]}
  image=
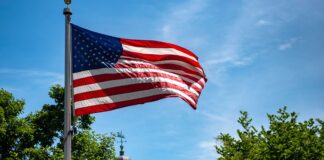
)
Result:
{"points": [[67, 92]]}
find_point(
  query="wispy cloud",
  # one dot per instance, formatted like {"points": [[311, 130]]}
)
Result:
{"points": [[175, 25], [287, 44], [233, 52], [53, 77], [208, 148], [215, 117], [180, 23], [262, 22], [246, 38]]}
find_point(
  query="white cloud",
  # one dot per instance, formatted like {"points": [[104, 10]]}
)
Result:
{"points": [[287, 44], [247, 38], [284, 46], [174, 26], [208, 150], [215, 117], [237, 49], [206, 144], [262, 22], [34, 74]]}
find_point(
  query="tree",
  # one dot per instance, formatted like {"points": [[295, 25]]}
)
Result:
{"points": [[284, 139], [15, 132], [98, 146], [39, 135]]}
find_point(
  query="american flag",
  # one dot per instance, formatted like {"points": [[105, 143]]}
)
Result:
{"points": [[110, 72]]}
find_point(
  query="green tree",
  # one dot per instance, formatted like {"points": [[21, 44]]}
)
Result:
{"points": [[15, 132], [284, 139], [39, 135], [98, 146]]}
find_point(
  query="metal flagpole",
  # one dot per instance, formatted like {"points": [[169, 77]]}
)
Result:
{"points": [[67, 92]]}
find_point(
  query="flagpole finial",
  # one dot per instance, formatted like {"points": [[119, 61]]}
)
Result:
{"points": [[67, 11], [67, 2]]}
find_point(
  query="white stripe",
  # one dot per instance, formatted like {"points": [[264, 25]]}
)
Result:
{"points": [[176, 62], [100, 71], [157, 51], [128, 81], [167, 70], [130, 96], [202, 80]]}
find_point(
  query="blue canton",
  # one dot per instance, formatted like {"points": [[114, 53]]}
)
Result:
{"points": [[91, 50]]}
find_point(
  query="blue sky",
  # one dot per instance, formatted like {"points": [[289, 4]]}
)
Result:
{"points": [[258, 56]]}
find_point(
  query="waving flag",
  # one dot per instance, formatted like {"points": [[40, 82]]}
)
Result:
{"points": [[110, 72]]}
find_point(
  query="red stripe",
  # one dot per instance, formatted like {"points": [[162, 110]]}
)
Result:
{"points": [[189, 68], [177, 67], [128, 89], [151, 66], [106, 77], [112, 106], [194, 79], [137, 59], [148, 57], [154, 67], [155, 44], [116, 76]]}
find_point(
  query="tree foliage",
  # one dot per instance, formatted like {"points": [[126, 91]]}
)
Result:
{"points": [[15, 132], [39, 135], [285, 138]]}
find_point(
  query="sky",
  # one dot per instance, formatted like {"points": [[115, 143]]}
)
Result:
{"points": [[258, 56]]}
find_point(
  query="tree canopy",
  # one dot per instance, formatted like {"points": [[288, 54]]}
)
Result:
{"points": [[39, 135], [285, 138]]}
